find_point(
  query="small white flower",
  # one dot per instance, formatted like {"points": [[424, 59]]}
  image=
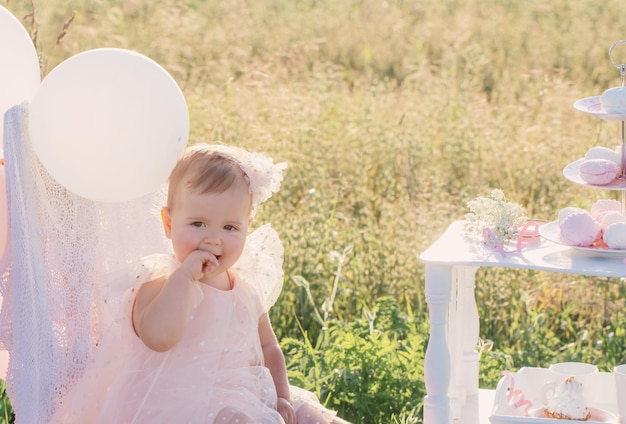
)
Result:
{"points": [[502, 217]]}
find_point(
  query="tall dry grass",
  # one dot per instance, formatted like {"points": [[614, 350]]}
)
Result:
{"points": [[392, 115]]}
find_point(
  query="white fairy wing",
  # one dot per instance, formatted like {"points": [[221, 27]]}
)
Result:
{"points": [[261, 264], [115, 286]]}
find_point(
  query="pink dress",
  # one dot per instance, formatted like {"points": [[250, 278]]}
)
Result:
{"points": [[215, 373]]}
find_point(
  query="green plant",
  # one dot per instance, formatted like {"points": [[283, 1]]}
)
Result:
{"points": [[6, 411], [366, 370]]}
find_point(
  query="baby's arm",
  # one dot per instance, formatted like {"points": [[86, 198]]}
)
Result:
{"points": [[275, 362], [162, 307], [161, 311]]}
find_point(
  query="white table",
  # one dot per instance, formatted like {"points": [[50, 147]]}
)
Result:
{"points": [[451, 359]]}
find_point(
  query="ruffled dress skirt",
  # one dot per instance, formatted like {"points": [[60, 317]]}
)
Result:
{"points": [[215, 374]]}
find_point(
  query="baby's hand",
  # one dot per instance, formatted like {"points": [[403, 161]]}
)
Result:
{"points": [[198, 263], [285, 409]]}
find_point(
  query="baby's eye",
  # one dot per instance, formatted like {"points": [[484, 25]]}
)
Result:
{"points": [[197, 224], [230, 227]]}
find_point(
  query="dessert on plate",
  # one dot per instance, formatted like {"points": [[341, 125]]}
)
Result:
{"points": [[610, 217], [615, 235], [613, 100], [600, 152], [567, 211], [601, 165], [598, 171], [603, 226], [567, 402], [603, 206], [579, 228]]}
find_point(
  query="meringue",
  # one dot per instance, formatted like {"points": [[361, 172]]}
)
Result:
{"points": [[602, 206], [615, 235], [567, 211], [611, 217], [568, 403], [598, 171], [613, 100], [580, 229], [599, 152]]}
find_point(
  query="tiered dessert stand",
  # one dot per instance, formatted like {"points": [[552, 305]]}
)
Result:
{"points": [[593, 106], [451, 361]]}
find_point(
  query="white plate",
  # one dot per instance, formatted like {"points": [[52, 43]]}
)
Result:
{"points": [[572, 173], [551, 232], [598, 416], [593, 106]]}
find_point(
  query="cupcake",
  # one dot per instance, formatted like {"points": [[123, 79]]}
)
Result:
{"points": [[567, 403]]}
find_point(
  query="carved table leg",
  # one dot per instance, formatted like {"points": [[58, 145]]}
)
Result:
{"points": [[451, 360], [468, 312], [438, 287], [464, 324]]}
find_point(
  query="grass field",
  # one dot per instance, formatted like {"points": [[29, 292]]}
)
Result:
{"points": [[391, 115]]}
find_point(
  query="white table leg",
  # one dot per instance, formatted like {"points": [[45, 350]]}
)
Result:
{"points": [[438, 287], [456, 391], [466, 367], [462, 339]]}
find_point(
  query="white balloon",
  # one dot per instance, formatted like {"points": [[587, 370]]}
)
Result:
{"points": [[109, 124], [19, 65]]}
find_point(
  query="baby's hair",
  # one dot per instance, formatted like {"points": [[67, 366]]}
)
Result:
{"points": [[205, 171]]}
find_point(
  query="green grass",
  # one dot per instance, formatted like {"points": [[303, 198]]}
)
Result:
{"points": [[392, 115]]}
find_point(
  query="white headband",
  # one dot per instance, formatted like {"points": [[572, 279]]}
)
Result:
{"points": [[264, 176]]}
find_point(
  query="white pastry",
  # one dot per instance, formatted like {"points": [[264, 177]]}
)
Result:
{"points": [[599, 152], [567, 211], [604, 205], [580, 229], [568, 402], [613, 100], [598, 171], [615, 235], [610, 217]]}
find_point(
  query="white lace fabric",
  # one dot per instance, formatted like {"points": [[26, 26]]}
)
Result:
{"points": [[58, 247]]}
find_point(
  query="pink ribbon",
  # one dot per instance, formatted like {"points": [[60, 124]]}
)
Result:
{"points": [[529, 234], [515, 397], [492, 241]]}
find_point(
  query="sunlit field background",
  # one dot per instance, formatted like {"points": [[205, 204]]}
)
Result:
{"points": [[391, 115]]}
